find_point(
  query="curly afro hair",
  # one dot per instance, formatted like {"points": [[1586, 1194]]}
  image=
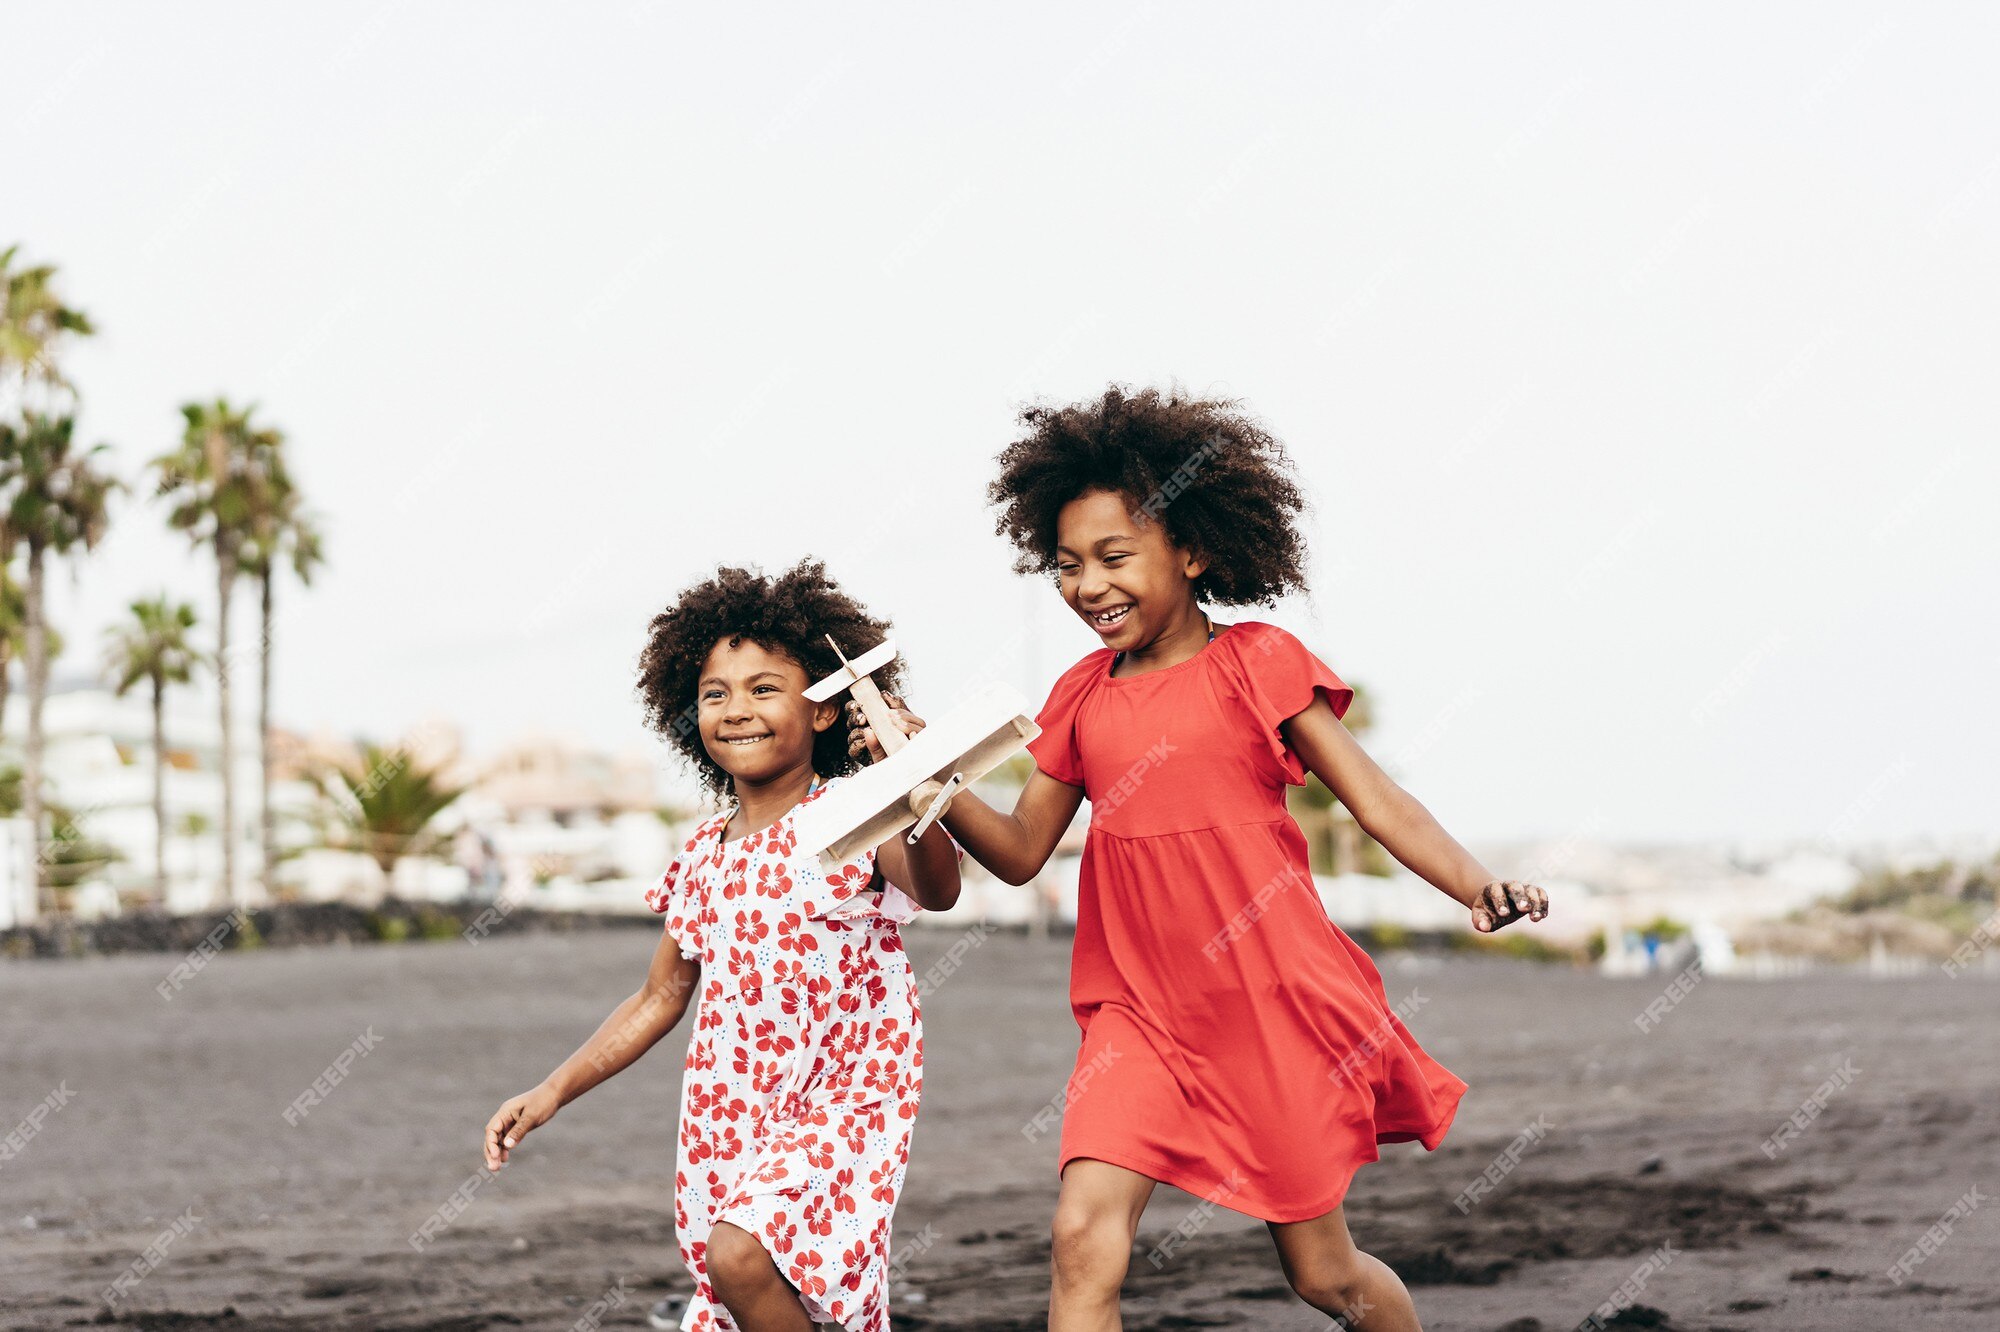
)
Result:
{"points": [[791, 615], [1219, 480]]}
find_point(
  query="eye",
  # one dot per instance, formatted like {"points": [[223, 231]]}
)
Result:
{"points": [[1109, 558], [762, 687]]}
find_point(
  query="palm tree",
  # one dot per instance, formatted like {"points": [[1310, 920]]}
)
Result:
{"points": [[214, 481], [55, 499], [153, 646], [385, 808], [34, 323], [14, 619], [280, 532]]}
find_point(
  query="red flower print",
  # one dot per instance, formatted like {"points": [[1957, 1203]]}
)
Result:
{"points": [[789, 938], [854, 1260], [751, 926], [773, 881], [881, 1076], [805, 1274], [771, 1040], [838, 1191]]}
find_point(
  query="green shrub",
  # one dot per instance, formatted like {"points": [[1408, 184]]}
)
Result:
{"points": [[387, 928], [435, 924]]}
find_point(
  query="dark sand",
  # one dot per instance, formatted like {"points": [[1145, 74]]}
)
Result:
{"points": [[1654, 1139]]}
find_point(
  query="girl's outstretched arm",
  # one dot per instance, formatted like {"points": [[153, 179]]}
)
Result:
{"points": [[1399, 821], [1013, 846], [647, 1014]]}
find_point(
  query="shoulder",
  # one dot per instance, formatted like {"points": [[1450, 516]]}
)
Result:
{"points": [[704, 828], [1093, 667], [1253, 640], [1071, 686]]}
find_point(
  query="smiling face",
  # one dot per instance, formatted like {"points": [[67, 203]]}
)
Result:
{"points": [[756, 721], [1118, 571]]}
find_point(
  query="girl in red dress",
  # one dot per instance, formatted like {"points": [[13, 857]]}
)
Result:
{"points": [[1235, 1042]]}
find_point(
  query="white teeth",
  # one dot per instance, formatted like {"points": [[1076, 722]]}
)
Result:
{"points": [[1112, 616], [747, 740]]}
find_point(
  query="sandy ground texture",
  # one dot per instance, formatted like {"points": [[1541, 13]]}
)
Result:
{"points": [[1624, 1157]]}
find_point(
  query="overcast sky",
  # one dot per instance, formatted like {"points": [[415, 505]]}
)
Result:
{"points": [[1640, 360]]}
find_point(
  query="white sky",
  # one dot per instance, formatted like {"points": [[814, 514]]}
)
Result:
{"points": [[1640, 360]]}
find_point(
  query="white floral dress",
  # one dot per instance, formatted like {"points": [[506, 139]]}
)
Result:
{"points": [[804, 1068]]}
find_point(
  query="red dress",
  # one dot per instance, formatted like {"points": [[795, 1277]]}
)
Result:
{"points": [[1236, 1043]]}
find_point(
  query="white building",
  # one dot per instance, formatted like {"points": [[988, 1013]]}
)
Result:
{"points": [[98, 763]]}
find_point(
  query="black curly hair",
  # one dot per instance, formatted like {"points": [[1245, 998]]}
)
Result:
{"points": [[1220, 481], [792, 615]]}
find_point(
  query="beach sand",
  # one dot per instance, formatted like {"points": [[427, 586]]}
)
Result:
{"points": [[175, 1109]]}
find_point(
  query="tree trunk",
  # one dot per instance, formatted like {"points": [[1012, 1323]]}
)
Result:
{"points": [[267, 821], [31, 776], [160, 788], [226, 578], [6, 679]]}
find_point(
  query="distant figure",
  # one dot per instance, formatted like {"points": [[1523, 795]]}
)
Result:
{"points": [[473, 851]]}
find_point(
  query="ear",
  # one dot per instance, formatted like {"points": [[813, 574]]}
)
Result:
{"points": [[825, 715], [1193, 563]]}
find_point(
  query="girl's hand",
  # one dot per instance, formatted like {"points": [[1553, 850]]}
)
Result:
{"points": [[515, 1120], [862, 741], [1504, 901]]}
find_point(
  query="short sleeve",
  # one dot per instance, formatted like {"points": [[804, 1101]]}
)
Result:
{"points": [[1279, 677], [1056, 749], [676, 898]]}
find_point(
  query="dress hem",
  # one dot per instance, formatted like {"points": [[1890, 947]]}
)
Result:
{"points": [[1161, 1173]]}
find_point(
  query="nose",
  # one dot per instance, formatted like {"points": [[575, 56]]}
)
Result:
{"points": [[736, 708], [1091, 585]]}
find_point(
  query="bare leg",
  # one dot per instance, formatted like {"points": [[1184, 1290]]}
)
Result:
{"points": [[1097, 1214], [749, 1284], [1329, 1273]]}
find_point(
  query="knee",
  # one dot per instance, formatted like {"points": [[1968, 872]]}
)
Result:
{"points": [[737, 1263], [1331, 1287], [1090, 1246]]}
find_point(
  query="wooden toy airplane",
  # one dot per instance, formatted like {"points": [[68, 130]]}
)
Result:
{"points": [[915, 782]]}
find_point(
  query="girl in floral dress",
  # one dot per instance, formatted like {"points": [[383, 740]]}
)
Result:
{"points": [[805, 1066], [1235, 1042]]}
